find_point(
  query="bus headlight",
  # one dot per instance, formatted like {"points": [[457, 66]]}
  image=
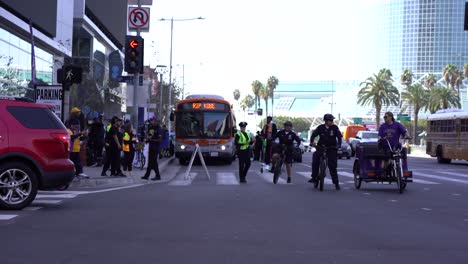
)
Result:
{"points": [[182, 147], [223, 147]]}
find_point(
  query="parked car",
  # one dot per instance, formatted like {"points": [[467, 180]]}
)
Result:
{"points": [[34, 152], [344, 150], [362, 137]]}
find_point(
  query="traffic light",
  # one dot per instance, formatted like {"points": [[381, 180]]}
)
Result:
{"points": [[134, 46]]}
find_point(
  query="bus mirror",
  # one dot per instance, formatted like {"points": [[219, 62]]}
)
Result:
{"points": [[171, 116]]}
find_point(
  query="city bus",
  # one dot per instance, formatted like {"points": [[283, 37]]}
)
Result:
{"points": [[447, 135], [206, 120]]}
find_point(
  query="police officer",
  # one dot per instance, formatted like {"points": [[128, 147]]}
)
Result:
{"points": [[154, 140], [113, 148], [330, 136], [285, 139], [243, 140]]}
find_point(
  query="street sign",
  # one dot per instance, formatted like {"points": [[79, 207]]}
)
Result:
{"points": [[51, 95], [138, 18]]}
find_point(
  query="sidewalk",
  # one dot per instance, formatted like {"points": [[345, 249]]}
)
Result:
{"points": [[96, 180], [418, 151]]}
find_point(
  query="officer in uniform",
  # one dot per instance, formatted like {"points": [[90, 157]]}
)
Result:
{"points": [[154, 140], [243, 140], [330, 136]]}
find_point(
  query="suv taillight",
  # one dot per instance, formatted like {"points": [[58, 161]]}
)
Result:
{"points": [[64, 138]]}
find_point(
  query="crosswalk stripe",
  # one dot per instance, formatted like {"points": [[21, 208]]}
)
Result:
{"points": [[307, 175], [180, 179], [454, 174], [62, 192], [268, 177], [7, 217], [440, 178], [32, 208], [46, 202], [226, 178]]}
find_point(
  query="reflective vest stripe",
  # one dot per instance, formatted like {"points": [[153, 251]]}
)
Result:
{"points": [[126, 146], [75, 146], [243, 141]]}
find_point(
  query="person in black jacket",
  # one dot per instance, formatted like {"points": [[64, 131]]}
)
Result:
{"points": [[330, 136], [243, 140], [284, 140]]}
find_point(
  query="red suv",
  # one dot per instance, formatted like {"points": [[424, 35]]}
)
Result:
{"points": [[34, 151]]}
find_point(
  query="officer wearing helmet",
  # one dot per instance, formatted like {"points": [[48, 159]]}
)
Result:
{"points": [[330, 136], [243, 140], [284, 140]]}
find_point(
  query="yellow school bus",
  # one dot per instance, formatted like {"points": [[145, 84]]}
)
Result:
{"points": [[447, 135]]}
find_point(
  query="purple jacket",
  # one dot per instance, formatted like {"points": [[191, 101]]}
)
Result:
{"points": [[392, 132]]}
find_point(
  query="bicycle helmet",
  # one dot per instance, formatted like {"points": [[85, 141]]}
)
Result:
{"points": [[288, 123], [328, 117]]}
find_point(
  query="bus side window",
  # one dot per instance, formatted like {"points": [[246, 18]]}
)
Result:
{"points": [[464, 125]]}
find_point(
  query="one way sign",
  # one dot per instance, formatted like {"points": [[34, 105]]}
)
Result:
{"points": [[138, 18]]}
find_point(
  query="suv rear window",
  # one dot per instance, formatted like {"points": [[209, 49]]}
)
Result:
{"points": [[35, 117]]}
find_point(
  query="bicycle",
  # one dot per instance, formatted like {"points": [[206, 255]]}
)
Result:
{"points": [[140, 157], [320, 182], [394, 168], [277, 164]]}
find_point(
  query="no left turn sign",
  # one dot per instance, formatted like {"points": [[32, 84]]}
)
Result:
{"points": [[138, 18]]}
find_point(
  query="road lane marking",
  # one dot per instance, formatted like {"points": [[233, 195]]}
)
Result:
{"points": [[32, 208], [226, 178], [393, 201], [46, 201], [366, 193], [456, 194], [441, 178], [466, 220], [62, 192], [454, 174], [180, 179], [67, 196], [7, 217], [426, 209], [268, 177]]}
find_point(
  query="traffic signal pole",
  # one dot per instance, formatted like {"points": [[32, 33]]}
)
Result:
{"points": [[136, 78]]}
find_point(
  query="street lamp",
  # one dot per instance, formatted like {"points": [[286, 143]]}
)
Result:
{"points": [[170, 63], [161, 69]]}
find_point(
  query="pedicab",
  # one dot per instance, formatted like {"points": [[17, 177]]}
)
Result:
{"points": [[368, 165]]}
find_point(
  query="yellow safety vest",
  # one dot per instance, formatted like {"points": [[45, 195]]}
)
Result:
{"points": [[243, 141], [75, 146], [126, 146], [108, 127]]}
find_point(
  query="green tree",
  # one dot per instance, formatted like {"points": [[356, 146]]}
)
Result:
{"points": [[247, 103], [465, 70], [265, 95], [378, 90], [271, 85], [430, 80], [256, 87], [406, 78], [417, 96], [442, 98]]}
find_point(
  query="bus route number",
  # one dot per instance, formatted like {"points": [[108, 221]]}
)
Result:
{"points": [[203, 105]]}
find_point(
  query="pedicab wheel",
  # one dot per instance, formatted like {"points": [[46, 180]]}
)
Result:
{"points": [[400, 182], [357, 179]]}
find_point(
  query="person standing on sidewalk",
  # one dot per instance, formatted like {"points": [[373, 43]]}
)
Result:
{"points": [[243, 140], [154, 140], [113, 149], [75, 147], [128, 148]]}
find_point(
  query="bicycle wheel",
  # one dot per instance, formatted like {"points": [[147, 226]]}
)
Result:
{"points": [[276, 172], [399, 178], [322, 172], [142, 162]]}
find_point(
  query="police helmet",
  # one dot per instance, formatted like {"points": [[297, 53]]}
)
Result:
{"points": [[328, 117], [243, 124], [288, 123]]}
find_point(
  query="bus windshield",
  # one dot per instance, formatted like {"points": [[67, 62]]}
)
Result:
{"points": [[203, 125]]}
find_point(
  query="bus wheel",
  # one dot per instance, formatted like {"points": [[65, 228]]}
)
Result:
{"points": [[183, 161], [440, 157]]}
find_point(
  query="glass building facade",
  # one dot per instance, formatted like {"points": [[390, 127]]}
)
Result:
{"points": [[422, 35]]}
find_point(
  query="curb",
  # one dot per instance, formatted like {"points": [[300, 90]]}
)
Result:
{"points": [[96, 181]]}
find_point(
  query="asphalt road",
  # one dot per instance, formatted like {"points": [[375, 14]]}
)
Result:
{"points": [[197, 220]]}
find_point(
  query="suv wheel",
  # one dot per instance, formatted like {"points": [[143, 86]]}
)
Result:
{"points": [[18, 186]]}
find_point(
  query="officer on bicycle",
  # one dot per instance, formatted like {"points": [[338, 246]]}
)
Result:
{"points": [[243, 140], [330, 136], [285, 139], [391, 130]]}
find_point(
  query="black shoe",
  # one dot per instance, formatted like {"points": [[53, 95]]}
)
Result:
{"points": [[337, 186], [243, 181], [120, 174], [289, 180], [311, 180], [144, 177], [156, 178]]}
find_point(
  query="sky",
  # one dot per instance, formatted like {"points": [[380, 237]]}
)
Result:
{"points": [[246, 40]]}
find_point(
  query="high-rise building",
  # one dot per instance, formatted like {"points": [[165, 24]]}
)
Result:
{"points": [[422, 35]]}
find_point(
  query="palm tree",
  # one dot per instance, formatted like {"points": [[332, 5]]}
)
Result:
{"points": [[430, 81], [465, 70], [417, 96], [451, 75], [256, 86], [378, 90], [236, 94], [271, 85], [442, 98], [406, 78], [249, 101], [265, 95]]}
